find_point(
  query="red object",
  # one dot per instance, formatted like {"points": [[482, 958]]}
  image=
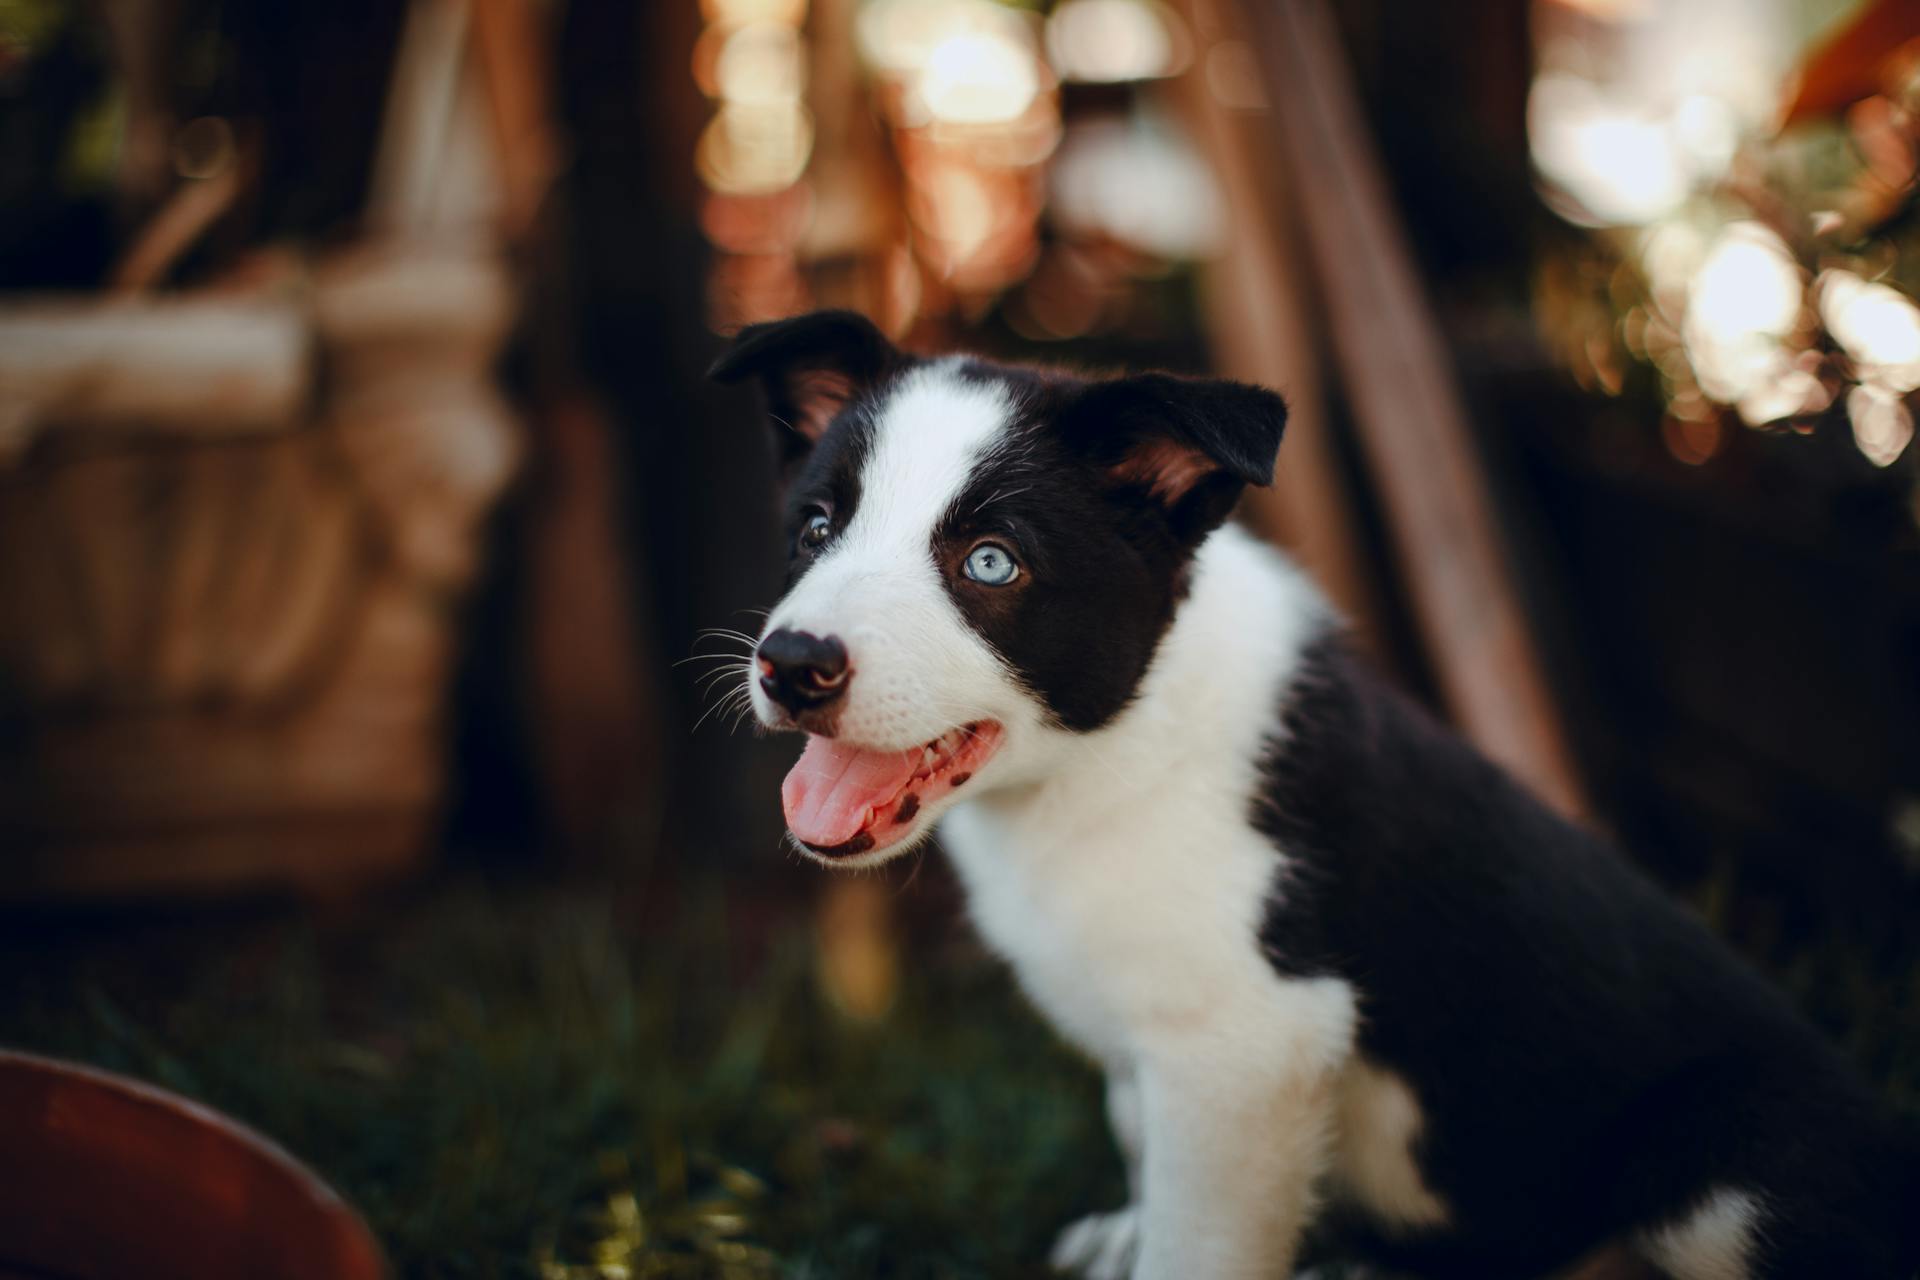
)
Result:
{"points": [[1850, 65], [102, 1177]]}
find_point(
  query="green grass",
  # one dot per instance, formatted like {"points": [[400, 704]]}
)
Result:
{"points": [[519, 1083], [515, 1079]]}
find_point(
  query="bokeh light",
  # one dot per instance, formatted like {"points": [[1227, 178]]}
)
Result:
{"points": [[1743, 300], [1878, 326], [1656, 124], [755, 150], [1137, 181], [1882, 423], [761, 65], [978, 78], [753, 155], [1620, 166], [1115, 41], [1638, 106], [900, 37], [971, 182], [740, 13]]}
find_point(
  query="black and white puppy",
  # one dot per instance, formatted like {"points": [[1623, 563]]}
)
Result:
{"points": [[1338, 968]]}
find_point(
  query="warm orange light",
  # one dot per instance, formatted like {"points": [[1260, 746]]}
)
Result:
{"points": [[749, 288], [739, 13], [755, 150], [761, 65], [1066, 296], [954, 205], [1114, 41], [1693, 441], [757, 224]]}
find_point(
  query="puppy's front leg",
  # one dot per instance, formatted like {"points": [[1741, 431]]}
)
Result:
{"points": [[1124, 1118], [1231, 1158], [1102, 1246]]}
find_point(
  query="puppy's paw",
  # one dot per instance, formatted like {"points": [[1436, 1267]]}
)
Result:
{"points": [[1100, 1246]]}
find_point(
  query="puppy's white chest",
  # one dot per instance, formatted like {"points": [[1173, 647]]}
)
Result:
{"points": [[1122, 926]]}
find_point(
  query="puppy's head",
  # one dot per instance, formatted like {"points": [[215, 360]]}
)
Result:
{"points": [[982, 560]]}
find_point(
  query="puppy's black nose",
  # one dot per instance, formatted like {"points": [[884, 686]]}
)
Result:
{"points": [[802, 672]]}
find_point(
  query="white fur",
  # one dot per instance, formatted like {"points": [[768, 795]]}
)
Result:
{"points": [[1101, 1246], [1116, 870], [1714, 1242], [1379, 1123], [919, 669], [1125, 885]]}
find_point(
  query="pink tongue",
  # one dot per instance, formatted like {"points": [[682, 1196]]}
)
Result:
{"points": [[829, 791]]}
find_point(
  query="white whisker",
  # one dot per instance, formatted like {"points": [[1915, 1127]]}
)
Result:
{"points": [[713, 657], [707, 679], [724, 700]]}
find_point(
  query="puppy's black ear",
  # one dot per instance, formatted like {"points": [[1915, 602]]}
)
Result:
{"points": [[809, 366], [1185, 445]]}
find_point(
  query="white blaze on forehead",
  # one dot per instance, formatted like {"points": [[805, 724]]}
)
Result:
{"points": [[929, 436], [918, 668]]}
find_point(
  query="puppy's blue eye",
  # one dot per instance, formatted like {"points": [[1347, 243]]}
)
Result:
{"points": [[815, 530], [992, 564]]}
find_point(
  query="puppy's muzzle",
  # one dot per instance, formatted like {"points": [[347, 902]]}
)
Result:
{"points": [[803, 672]]}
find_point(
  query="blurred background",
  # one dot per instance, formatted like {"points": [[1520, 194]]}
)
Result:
{"points": [[374, 556]]}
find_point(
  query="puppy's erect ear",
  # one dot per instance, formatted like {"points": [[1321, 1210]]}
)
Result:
{"points": [[809, 366], [1185, 445]]}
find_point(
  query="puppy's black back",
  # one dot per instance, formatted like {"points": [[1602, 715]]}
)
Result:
{"points": [[1588, 1059]]}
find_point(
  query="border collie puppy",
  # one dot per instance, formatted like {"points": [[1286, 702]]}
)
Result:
{"points": [[1340, 971]]}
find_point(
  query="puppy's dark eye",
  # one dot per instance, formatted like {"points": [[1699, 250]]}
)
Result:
{"points": [[991, 565], [816, 530]]}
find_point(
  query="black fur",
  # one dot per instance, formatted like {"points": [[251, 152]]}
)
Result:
{"points": [[809, 368], [1082, 621], [1103, 555], [1234, 427], [1589, 1060], [826, 481]]}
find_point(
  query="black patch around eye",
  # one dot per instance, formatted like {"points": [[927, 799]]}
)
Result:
{"points": [[1081, 622], [828, 480]]}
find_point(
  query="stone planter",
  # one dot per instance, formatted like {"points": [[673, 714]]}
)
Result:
{"points": [[234, 535]]}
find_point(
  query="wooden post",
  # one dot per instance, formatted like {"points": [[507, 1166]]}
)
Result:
{"points": [[1258, 303], [1407, 407]]}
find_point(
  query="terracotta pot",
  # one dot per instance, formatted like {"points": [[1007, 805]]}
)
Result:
{"points": [[102, 1177]]}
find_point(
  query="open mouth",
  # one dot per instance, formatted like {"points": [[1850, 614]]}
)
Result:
{"points": [[842, 799]]}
